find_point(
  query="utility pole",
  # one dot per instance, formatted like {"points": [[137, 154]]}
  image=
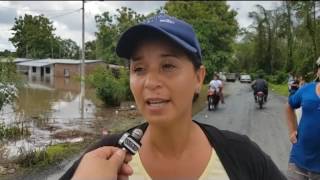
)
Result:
{"points": [[82, 73]]}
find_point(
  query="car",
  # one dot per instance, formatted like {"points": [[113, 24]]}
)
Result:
{"points": [[245, 78], [231, 77]]}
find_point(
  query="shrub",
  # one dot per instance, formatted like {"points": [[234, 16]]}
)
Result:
{"points": [[278, 78], [8, 93], [111, 87]]}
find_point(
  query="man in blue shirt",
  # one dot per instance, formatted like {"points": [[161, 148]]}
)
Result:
{"points": [[304, 161]]}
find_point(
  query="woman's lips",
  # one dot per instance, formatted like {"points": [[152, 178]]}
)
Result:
{"points": [[156, 103]]}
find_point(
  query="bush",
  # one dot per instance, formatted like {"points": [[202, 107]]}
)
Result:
{"points": [[7, 94], [111, 87], [278, 78]]}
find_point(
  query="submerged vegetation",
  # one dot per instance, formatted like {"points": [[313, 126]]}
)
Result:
{"points": [[12, 132]]}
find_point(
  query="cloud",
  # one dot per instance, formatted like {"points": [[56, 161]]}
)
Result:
{"points": [[5, 34], [65, 18], [8, 15]]}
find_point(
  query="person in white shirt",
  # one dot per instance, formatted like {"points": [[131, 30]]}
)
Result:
{"points": [[216, 84]]}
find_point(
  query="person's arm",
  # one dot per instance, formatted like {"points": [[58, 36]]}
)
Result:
{"points": [[292, 123], [253, 84]]}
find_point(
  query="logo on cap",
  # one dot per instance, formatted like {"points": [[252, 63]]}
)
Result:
{"points": [[167, 21]]}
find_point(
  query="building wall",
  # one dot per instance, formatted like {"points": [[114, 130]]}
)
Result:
{"points": [[90, 67], [63, 70], [74, 69]]}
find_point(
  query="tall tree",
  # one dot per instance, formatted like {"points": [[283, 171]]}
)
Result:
{"points": [[32, 36], [109, 31], [90, 51], [215, 26]]}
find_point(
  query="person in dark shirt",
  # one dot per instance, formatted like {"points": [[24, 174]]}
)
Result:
{"points": [[260, 85]]}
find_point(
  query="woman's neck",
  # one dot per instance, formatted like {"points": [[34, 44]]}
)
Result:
{"points": [[170, 140]]}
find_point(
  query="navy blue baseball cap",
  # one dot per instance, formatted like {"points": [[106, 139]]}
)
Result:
{"points": [[176, 30]]}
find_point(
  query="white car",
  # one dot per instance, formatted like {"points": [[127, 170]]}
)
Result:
{"points": [[245, 78]]}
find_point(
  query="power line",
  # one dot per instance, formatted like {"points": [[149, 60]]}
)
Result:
{"points": [[65, 14]]}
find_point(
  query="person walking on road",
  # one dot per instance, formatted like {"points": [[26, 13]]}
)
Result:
{"points": [[166, 72], [304, 160]]}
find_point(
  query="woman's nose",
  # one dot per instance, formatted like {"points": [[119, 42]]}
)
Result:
{"points": [[152, 81]]}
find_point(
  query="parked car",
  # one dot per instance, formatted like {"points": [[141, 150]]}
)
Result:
{"points": [[245, 78], [231, 77]]}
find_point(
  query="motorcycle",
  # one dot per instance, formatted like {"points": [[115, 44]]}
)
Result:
{"points": [[260, 99], [213, 99]]}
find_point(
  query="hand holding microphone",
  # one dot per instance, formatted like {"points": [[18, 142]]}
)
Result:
{"points": [[110, 162]]}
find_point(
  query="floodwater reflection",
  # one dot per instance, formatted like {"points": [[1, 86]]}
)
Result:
{"points": [[49, 106]]}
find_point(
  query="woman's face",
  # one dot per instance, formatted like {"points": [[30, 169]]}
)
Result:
{"points": [[163, 81]]}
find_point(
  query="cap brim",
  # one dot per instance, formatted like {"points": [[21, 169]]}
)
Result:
{"points": [[129, 39]]}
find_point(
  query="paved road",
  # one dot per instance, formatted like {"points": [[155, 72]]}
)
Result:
{"points": [[267, 127]]}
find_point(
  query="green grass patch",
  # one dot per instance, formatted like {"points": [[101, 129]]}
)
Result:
{"points": [[281, 89], [51, 155]]}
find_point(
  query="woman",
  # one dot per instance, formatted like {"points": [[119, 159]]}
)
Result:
{"points": [[304, 161], [166, 73]]}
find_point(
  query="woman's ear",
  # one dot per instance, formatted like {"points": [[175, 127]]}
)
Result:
{"points": [[200, 73]]}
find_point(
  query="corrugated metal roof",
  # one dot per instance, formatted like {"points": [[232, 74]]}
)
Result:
{"points": [[46, 62], [35, 63]]}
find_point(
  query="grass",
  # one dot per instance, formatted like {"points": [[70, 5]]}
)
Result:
{"points": [[49, 156], [281, 89], [12, 132]]}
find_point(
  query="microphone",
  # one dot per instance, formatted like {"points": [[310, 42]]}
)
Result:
{"points": [[131, 142]]}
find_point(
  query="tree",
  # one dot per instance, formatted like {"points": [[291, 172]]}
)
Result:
{"points": [[109, 31], [215, 26], [32, 36], [283, 39], [7, 53], [69, 49], [90, 50]]}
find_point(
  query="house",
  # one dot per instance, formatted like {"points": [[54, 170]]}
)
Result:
{"points": [[49, 68]]}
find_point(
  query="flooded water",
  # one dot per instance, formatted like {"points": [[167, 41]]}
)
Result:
{"points": [[50, 106]]}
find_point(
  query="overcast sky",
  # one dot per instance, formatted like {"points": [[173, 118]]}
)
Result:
{"points": [[66, 15]]}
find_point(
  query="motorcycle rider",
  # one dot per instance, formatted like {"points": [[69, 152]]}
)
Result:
{"points": [[217, 85], [260, 85]]}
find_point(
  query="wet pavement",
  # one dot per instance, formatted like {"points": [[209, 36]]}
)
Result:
{"points": [[267, 127]]}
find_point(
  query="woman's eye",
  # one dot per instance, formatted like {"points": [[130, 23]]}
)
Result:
{"points": [[138, 70], [168, 67]]}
